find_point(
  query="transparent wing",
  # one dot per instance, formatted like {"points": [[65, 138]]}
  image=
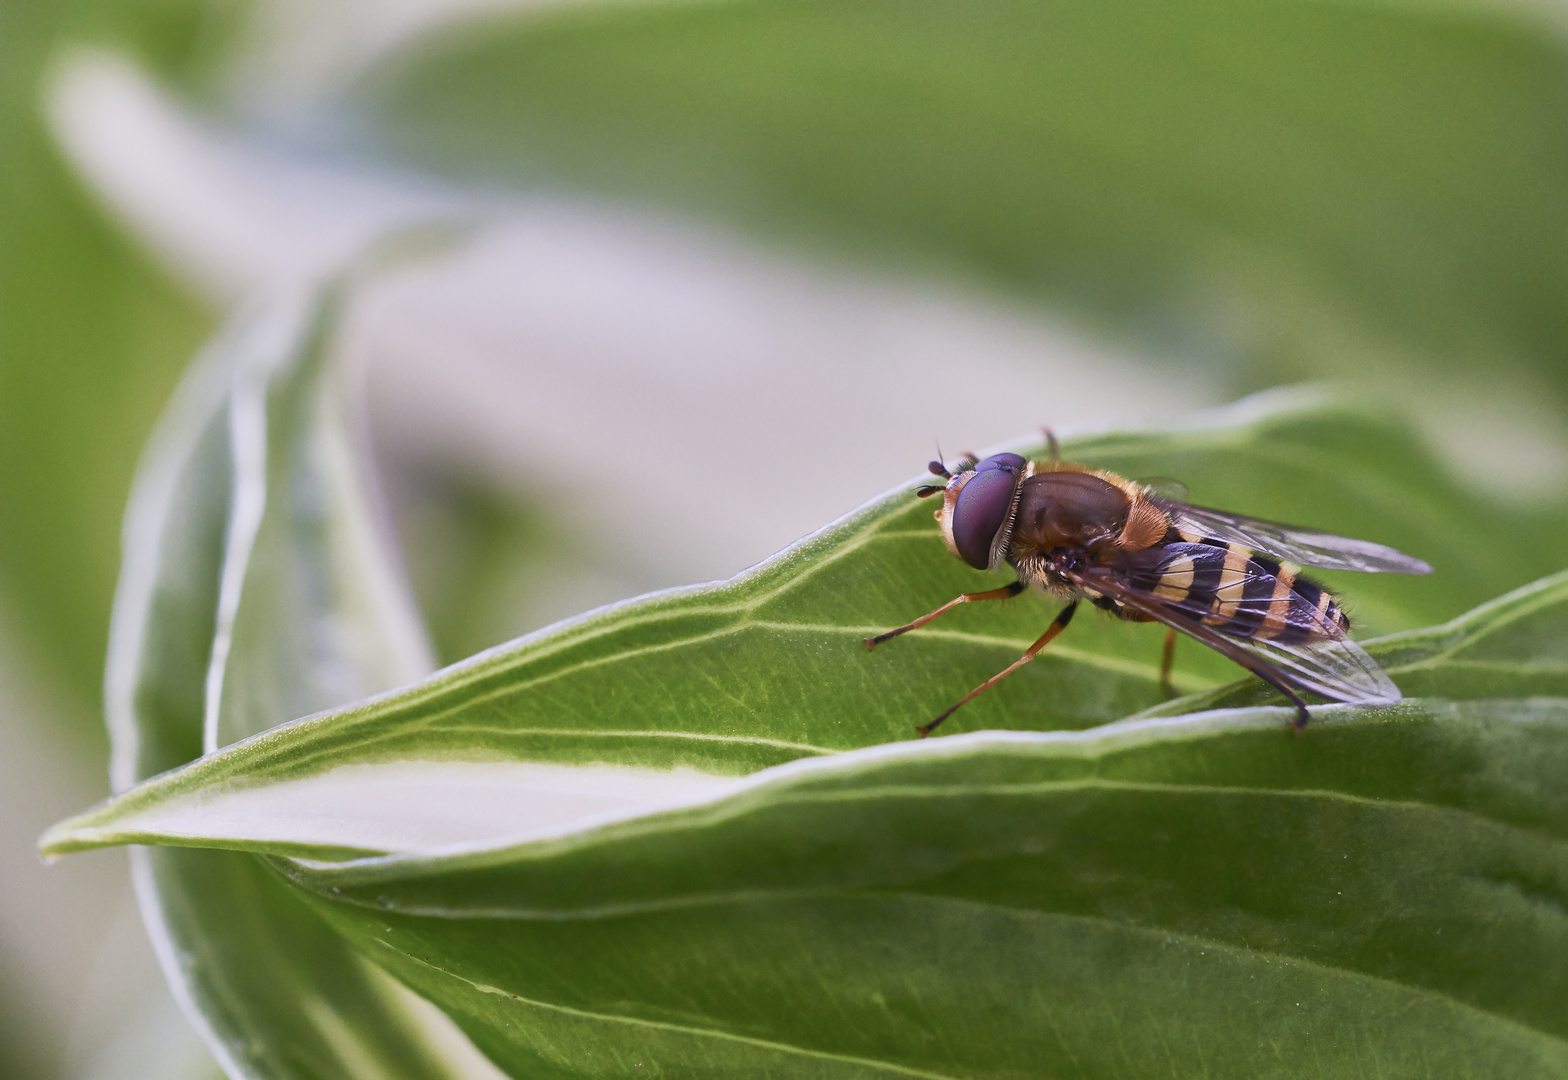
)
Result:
{"points": [[1163, 487], [1307, 547], [1319, 658]]}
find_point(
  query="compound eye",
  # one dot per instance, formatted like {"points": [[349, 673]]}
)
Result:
{"points": [[981, 508], [1011, 462]]}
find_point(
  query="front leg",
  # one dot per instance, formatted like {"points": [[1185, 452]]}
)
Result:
{"points": [[1058, 624], [1006, 592]]}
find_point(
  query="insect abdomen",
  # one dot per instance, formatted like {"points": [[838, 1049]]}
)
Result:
{"points": [[1242, 593], [1314, 597]]}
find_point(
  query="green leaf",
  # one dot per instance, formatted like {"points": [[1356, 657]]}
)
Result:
{"points": [[1209, 897], [256, 587], [734, 677], [665, 838], [1300, 188], [1092, 902]]}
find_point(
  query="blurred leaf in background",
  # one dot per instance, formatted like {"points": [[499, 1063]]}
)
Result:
{"points": [[92, 337], [1281, 189]]}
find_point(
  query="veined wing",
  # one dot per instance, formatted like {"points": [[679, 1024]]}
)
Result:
{"points": [[1309, 547], [1245, 614]]}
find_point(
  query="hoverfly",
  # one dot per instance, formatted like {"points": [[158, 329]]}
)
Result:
{"points": [[1082, 534]]}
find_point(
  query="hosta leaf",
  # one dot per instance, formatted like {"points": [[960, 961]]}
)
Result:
{"points": [[664, 838], [254, 587], [1386, 892]]}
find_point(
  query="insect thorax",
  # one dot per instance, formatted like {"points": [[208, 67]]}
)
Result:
{"points": [[1068, 510]]}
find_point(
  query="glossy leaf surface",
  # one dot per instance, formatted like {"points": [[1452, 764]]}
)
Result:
{"points": [[1196, 894]]}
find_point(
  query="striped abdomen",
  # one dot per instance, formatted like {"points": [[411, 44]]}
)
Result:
{"points": [[1239, 592]]}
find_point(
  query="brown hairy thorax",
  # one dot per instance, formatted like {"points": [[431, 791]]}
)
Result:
{"points": [[1068, 508], [1072, 506], [1146, 523]]}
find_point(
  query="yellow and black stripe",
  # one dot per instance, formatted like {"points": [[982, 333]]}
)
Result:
{"points": [[1311, 607], [1240, 592]]}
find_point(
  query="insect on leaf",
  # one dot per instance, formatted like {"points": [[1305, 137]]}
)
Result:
{"points": [[673, 835]]}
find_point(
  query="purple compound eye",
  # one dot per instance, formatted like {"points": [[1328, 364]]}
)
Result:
{"points": [[1011, 462], [982, 506]]}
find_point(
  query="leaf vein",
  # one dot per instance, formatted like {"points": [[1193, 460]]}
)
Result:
{"points": [[684, 1029]]}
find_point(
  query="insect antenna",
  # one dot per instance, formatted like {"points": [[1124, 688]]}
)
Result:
{"points": [[936, 467]]}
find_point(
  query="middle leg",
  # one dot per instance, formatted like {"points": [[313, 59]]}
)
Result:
{"points": [[1167, 661]]}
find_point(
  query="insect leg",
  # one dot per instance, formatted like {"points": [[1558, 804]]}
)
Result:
{"points": [[1167, 661], [1058, 624], [1299, 721], [1004, 593]]}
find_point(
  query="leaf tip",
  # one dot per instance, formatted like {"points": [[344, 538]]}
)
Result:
{"points": [[55, 842], [68, 837]]}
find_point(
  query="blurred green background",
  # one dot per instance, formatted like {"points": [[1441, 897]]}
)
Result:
{"points": [[1233, 194], [92, 338]]}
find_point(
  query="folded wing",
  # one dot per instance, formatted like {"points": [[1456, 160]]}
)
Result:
{"points": [[1309, 547], [1294, 642]]}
